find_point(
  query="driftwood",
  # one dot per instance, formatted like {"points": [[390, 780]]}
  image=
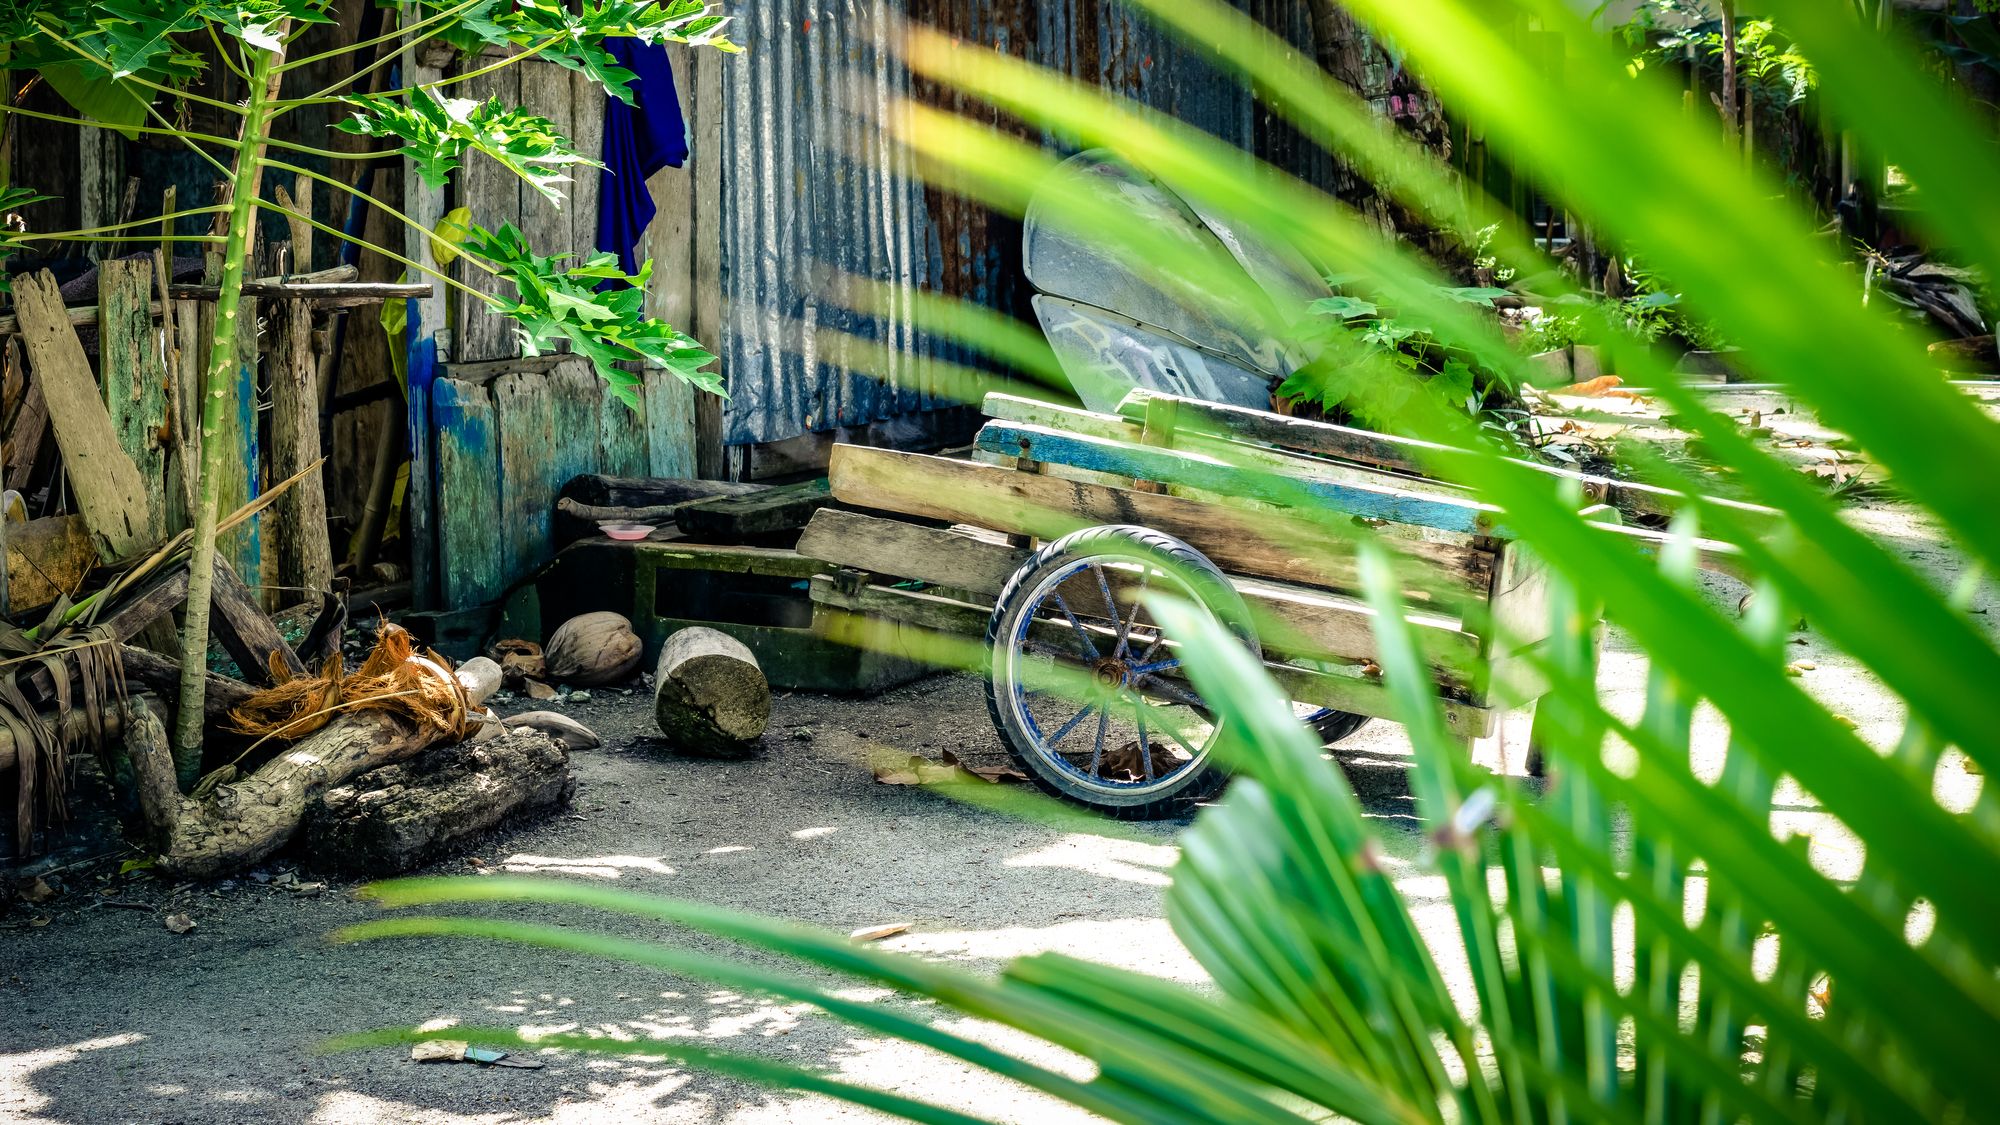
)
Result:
{"points": [[711, 698], [572, 734], [643, 492], [397, 817], [241, 822]]}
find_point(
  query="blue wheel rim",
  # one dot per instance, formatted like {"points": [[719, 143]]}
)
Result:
{"points": [[1128, 660]]}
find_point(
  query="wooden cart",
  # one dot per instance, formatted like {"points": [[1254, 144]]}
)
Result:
{"points": [[1225, 505]]}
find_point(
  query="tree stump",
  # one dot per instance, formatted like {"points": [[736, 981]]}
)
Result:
{"points": [[393, 819], [710, 696]]}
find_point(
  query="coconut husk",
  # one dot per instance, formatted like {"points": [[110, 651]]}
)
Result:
{"points": [[396, 677]]}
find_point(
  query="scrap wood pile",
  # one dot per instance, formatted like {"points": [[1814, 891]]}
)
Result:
{"points": [[97, 464]]}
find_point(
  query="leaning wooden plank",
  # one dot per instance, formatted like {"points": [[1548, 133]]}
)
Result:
{"points": [[469, 527], [784, 508], [109, 492], [1287, 546], [238, 621], [1213, 474], [1401, 453], [900, 549], [134, 378], [27, 421]]}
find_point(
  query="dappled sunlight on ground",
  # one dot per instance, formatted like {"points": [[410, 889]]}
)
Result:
{"points": [[19, 1099], [602, 866], [1127, 860]]}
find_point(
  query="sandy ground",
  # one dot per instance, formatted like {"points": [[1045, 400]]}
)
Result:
{"points": [[105, 1016]]}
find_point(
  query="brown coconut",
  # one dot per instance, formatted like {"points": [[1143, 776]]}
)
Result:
{"points": [[594, 648]]}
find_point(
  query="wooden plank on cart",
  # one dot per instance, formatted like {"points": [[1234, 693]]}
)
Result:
{"points": [[1402, 454], [940, 614], [1266, 544], [940, 556], [1217, 475]]}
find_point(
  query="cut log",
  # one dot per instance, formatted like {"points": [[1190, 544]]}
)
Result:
{"points": [[577, 520], [398, 817], [732, 519], [643, 492], [109, 493], [711, 698]]}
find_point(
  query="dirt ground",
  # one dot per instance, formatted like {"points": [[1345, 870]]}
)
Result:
{"points": [[105, 1016]]}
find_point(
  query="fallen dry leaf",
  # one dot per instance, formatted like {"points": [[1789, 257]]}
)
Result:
{"points": [[536, 689], [33, 889], [1591, 388], [438, 1050], [994, 774], [877, 933], [179, 923]]}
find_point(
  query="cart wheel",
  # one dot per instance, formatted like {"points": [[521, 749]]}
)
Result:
{"points": [[1085, 687]]}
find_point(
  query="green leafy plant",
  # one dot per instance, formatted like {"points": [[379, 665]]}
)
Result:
{"points": [[142, 52], [1636, 942]]}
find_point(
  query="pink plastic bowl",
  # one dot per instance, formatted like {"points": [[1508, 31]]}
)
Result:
{"points": [[626, 531]]}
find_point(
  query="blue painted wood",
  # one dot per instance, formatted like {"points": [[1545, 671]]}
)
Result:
{"points": [[528, 460], [1192, 470], [420, 495], [469, 527]]}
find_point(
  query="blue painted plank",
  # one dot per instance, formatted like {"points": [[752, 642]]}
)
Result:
{"points": [[420, 495], [468, 495], [1191, 470], [527, 443]]}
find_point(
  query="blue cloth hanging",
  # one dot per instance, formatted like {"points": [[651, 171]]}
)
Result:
{"points": [[639, 140]]}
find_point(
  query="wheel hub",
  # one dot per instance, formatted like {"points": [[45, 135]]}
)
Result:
{"points": [[1111, 674]]}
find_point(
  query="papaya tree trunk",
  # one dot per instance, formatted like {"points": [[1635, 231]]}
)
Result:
{"points": [[217, 386]]}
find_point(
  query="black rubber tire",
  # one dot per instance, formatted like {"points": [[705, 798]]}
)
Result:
{"points": [[1124, 541], [1333, 726]]}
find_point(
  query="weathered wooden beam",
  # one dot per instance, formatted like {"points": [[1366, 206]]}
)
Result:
{"points": [[297, 522], [783, 508], [1287, 546], [132, 370], [239, 622], [599, 490], [109, 492], [27, 420], [939, 556]]}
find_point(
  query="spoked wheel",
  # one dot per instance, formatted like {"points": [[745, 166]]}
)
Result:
{"points": [[1329, 725], [1086, 688]]}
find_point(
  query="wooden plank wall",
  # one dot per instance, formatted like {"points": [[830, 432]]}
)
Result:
{"points": [[506, 444], [500, 445]]}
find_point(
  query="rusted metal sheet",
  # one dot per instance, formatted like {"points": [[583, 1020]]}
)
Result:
{"points": [[812, 187]]}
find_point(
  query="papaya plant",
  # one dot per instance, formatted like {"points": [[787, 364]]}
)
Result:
{"points": [[130, 64]]}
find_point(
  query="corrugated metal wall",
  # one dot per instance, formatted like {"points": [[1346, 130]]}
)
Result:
{"points": [[810, 185]]}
